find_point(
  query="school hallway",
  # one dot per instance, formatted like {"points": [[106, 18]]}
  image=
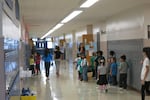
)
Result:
{"points": [[68, 87]]}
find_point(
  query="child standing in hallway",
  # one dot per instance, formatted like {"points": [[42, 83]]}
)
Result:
{"points": [[92, 63], [37, 61], [113, 71], [84, 68], [78, 67], [32, 63], [123, 72], [102, 71], [101, 57], [111, 55]]}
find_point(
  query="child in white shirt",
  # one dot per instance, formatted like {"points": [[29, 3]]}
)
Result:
{"points": [[102, 72]]}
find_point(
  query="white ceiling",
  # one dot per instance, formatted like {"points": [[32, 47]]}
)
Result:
{"points": [[42, 15]]}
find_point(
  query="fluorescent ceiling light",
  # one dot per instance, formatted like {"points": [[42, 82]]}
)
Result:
{"points": [[52, 30], [88, 3], [71, 16], [58, 26]]}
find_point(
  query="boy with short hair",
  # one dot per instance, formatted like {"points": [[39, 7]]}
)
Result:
{"points": [[123, 72]]}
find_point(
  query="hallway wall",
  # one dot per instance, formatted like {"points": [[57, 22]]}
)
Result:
{"points": [[126, 25], [125, 34], [10, 39], [133, 50]]}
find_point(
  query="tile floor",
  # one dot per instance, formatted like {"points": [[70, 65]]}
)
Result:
{"points": [[68, 87]]}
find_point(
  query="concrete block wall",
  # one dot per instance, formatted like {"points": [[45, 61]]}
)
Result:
{"points": [[133, 51]]}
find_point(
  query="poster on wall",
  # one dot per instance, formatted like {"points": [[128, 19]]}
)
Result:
{"points": [[9, 3]]}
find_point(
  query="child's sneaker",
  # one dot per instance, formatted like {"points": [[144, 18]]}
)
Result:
{"points": [[106, 90]]}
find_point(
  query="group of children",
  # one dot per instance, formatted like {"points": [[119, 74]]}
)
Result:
{"points": [[104, 74], [35, 63]]}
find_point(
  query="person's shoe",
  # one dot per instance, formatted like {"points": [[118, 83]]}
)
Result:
{"points": [[47, 78], [106, 90], [57, 74], [147, 94]]}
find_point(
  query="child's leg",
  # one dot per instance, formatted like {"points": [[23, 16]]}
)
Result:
{"points": [[101, 87], [105, 87], [85, 78], [120, 80], [33, 71], [93, 72], [125, 81], [81, 76], [37, 69], [86, 71], [78, 74]]}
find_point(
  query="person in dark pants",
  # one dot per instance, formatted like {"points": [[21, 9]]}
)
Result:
{"points": [[145, 73], [47, 60], [123, 72]]}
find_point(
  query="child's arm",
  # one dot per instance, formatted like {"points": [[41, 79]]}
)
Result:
{"points": [[75, 61], [99, 72], [111, 70]]}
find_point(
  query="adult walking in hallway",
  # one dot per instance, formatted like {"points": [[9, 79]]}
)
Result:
{"points": [[47, 60]]}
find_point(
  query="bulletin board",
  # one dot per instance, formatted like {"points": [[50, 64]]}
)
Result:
{"points": [[88, 43], [62, 42]]}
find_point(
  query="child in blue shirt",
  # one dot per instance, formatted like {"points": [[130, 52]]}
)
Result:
{"points": [[47, 59], [113, 71]]}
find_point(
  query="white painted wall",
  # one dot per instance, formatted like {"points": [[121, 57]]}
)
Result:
{"points": [[1, 11], [11, 13], [10, 25], [146, 20], [103, 37], [79, 34], [129, 24], [96, 29], [68, 38], [10, 30], [126, 25]]}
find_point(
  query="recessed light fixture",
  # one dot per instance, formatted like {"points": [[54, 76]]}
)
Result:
{"points": [[88, 3], [71, 16]]}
